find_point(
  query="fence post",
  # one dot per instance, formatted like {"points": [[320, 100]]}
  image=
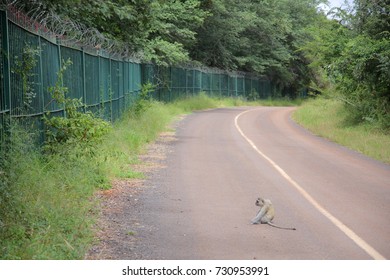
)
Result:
{"points": [[41, 74], [200, 81], [228, 85], [60, 66], [6, 77], [211, 83], [101, 97], [220, 84], [185, 74], [170, 84], [84, 82], [110, 86], [236, 86], [243, 87], [41, 90], [125, 88], [6, 69]]}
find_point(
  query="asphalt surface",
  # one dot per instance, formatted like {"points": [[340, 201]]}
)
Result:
{"points": [[200, 205]]}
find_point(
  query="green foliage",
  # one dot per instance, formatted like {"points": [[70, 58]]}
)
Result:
{"points": [[119, 151], [165, 53], [354, 53], [75, 128], [46, 205], [160, 30], [372, 18], [58, 91], [24, 68], [365, 84], [172, 30], [199, 102], [144, 100], [263, 37], [78, 128], [253, 95]]}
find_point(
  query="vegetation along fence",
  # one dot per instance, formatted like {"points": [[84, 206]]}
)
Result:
{"points": [[31, 57]]}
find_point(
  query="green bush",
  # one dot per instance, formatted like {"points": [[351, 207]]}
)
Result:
{"points": [[364, 82], [143, 101], [75, 127]]}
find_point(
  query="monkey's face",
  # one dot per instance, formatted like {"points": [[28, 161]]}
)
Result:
{"points": [[259, 202]]}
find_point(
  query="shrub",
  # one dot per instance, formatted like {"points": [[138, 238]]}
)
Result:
{"points": [[75, 128]]}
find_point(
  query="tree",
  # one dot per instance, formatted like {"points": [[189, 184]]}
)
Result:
{"points": [[172, 30], [263, 37], [354, 51], [219, 37], [373, 18], [159, 30]]}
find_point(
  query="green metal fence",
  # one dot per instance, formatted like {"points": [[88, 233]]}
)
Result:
{"points": [[107, 85], [174, 82]]}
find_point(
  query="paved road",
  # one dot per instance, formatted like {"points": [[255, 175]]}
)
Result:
{"points": [[201, 204]]}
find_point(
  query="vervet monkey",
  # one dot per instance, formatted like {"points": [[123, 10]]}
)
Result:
{"points": [[266, 213]]}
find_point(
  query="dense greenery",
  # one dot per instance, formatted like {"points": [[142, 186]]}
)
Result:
{"points": [[46, 204], [159, 31], [263, 37], [353, 51], [75, 127]]}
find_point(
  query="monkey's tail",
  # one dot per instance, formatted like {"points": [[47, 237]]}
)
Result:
{"points": [[273, 225]]}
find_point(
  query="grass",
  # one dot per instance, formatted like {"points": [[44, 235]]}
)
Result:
{"points": [[46, 208], [202, 101], [278, 102], [120, 149], [328, 118]]}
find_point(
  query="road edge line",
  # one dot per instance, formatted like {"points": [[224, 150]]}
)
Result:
{"points": [[346, 230]]}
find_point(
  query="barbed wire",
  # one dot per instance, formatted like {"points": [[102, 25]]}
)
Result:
{"points": [[37, 18]]}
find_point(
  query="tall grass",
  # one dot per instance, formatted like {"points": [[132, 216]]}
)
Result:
{"points": [[46, 206], [328, 118], [128, 138]]}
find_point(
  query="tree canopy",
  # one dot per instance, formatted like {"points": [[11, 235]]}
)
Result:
{"points": [[262, 36], [160, 31], [354, 51]]}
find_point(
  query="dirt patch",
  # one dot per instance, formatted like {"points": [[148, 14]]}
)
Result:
{"points": [[119, 230]]}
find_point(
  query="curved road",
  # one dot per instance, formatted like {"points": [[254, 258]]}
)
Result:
{"points": [[200, 205]]}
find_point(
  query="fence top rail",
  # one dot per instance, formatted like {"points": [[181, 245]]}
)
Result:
{"points": [[65, 32]]}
